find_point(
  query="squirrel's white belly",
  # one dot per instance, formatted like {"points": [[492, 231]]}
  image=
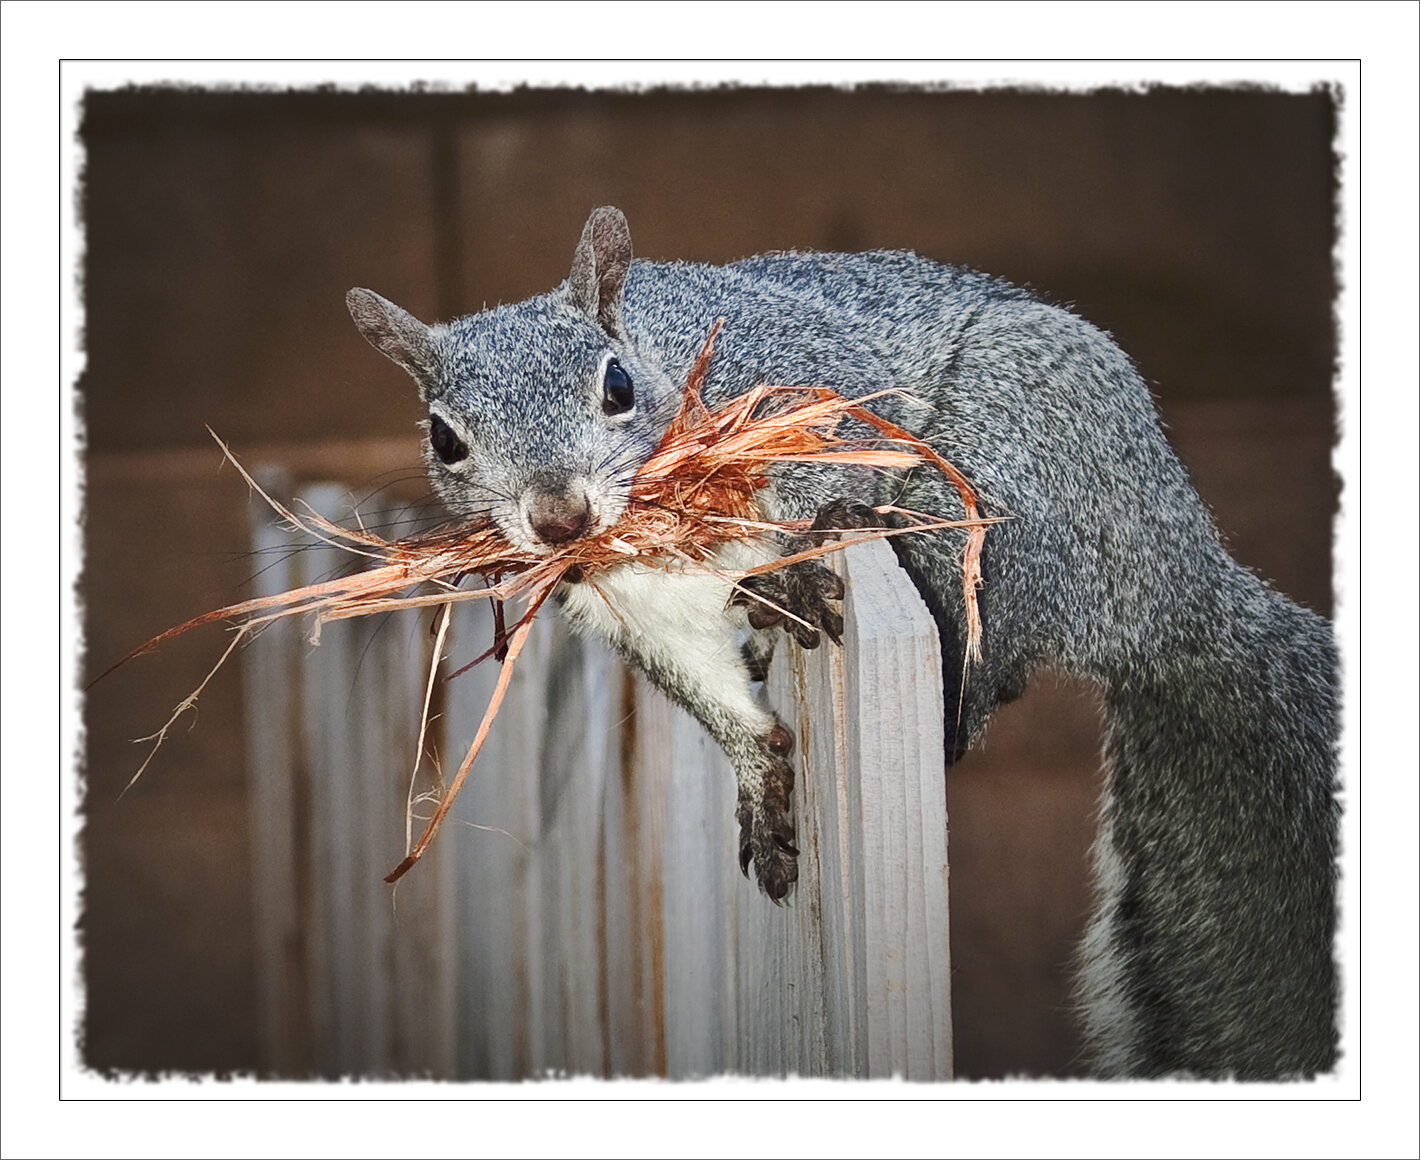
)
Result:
{"points": [[678, 619], [685, 606]]}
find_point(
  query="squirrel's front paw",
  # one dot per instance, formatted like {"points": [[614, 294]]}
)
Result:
{"points": [[800, 596], [797, 596], [766, 823], [844, 515]]}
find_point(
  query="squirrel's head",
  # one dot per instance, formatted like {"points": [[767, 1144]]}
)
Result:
{"points": [[539, 413]]}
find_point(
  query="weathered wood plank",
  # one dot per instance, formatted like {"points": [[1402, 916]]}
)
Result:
{"points": [[635, 808], [893, 705], [578, 745], [338, 990], [272, 716], [699, 895], [415, 915], [493, 829], [357, 974], [857, 981]]}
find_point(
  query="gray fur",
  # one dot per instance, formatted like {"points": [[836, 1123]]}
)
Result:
{"points": [[1211, 950]]}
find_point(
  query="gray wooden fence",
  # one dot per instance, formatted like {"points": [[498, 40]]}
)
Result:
{"points": [[582, 912]]}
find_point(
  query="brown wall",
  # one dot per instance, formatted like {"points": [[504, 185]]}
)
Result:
{"points": [[223, 229]]}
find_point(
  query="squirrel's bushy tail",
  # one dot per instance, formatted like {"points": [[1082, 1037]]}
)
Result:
{"points": [[1211, 949]]}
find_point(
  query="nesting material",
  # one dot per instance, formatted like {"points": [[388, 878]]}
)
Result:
{"points": [[698, 491]]}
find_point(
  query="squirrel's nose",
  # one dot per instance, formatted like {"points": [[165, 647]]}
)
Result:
{"points": [[557, 517]]}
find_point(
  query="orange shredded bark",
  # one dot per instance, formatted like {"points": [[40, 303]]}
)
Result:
{"points": [[697, 492]]}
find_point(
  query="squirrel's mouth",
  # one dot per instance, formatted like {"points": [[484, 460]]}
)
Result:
{"points": [[550, 515]]}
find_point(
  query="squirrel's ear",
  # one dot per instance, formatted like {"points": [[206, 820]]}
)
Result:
{"points": [[395, 333], [599, 268]]}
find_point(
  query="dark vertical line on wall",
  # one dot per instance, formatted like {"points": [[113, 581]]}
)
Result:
{"points": [[448, 228]]}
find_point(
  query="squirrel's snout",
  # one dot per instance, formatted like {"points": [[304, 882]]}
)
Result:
{"points": [[558, 516]]}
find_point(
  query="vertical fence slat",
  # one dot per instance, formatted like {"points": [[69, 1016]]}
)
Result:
{"points": [[635, 818], [414, 915], [582, 688], [337, 997], [827, 929], [272, 724], [493, 828], [701, 881], [895, 731]]}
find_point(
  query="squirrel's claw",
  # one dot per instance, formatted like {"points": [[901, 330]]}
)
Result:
{"points": [[765, 817], [798, 596], [844, 515]]}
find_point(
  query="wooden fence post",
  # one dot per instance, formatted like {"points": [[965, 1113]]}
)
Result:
{"points": [[853, 978]]}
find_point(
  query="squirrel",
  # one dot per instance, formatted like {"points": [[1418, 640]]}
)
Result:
{"points": [[1210, 950]]}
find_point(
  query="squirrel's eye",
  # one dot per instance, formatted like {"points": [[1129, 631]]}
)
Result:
{"points": [[617, 395], [447, 446]]}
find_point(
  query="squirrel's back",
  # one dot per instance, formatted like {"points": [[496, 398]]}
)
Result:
{"points": [[1041, 410]]}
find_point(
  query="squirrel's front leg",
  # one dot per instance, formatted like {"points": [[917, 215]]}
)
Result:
{"points": [[679, 629]]}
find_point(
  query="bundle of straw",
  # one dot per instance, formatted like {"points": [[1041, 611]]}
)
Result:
{"points": [[698, 491]]}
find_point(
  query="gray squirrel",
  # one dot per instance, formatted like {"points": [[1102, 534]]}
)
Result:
{"points": [[1210, 952]]}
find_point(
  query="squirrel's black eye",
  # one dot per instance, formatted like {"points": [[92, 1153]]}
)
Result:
{"points": [[617, 395], [447, 446]]}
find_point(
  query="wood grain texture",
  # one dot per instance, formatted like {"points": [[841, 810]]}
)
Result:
{"points": [[272, 721], [331, 735]]}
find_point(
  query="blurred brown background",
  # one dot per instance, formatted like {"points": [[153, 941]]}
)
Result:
{"points": [[223, 229]]}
